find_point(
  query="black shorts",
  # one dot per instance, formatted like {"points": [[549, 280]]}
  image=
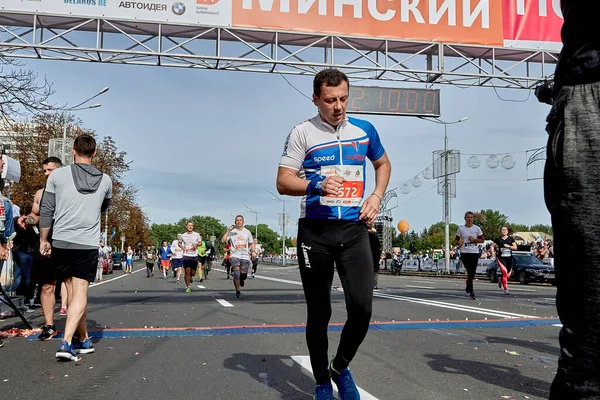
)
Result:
{"points": [[75, 263], [190, 262], [176, 263], [43, 270], [202, 259]]}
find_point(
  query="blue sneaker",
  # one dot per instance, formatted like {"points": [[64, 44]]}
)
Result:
{"points": [[344, 382], [85, 347], [66, 352], [324, 391]]}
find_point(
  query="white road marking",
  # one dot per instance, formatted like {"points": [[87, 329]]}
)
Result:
{"points": [[433, 303], [419, 287], [422, 281], [514, 289], [268, 278], [304, 362], [452, 306], [115, 278], [559, 325], [200, 287], [224, 303]]}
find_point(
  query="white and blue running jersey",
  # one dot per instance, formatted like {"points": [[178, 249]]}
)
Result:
{"points": [[315, 149]]}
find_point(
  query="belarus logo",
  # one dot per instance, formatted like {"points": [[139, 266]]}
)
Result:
{"points": [[207, 2], [178, 8]]}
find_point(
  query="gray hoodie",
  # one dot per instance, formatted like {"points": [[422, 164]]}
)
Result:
{"points": [[74, 197]]}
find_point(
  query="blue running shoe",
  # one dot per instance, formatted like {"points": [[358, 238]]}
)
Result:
{"points": [[85, 347], [66, 352], [324, 391], [344, 382]]}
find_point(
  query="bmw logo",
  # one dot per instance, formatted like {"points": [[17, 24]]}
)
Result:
{"points": [[178, 8]]}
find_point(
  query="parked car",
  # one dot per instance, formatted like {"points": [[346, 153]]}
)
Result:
{"points": [[117, 260], [107, 266], [526, 268]]}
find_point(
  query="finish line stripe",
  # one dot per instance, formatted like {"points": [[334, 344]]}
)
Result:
{"points": [[282, 329]]}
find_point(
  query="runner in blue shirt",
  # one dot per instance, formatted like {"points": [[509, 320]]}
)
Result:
{"points": [[324, 161]]}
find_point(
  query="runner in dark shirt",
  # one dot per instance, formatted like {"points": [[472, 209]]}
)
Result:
{"points": [[504, 247]]}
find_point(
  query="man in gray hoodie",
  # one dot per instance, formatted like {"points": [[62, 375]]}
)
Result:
{"points": [[74, 197]]}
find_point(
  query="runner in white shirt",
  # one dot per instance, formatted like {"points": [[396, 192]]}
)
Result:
{"points": [[468, 238], [240, 241], [189, 242], [177, 259]]}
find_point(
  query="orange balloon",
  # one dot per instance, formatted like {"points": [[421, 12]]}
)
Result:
{"points": [[403, 226]]}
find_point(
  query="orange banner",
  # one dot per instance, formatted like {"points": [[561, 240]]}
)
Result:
{"points": [[454, 21]]}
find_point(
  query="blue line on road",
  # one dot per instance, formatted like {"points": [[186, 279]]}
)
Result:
{"points": [[376, 326]]}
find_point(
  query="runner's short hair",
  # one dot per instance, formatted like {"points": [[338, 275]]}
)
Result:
{"points": [[84, 145], [329, 77]]}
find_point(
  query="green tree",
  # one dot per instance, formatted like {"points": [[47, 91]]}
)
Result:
{"points": [[541, 228], [494, 220], [207, 226], [161, 232], [268, 239], [519, 228]]}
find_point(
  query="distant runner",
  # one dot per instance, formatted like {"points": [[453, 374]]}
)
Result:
{"points": [[149, 257], [240, 240], [505, 245], [177, 258], [189, 241]]}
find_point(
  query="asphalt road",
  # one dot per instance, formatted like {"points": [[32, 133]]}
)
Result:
{"points": [[427, 342]]}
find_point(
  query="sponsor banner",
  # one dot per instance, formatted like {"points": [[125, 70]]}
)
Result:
{"points": [[457, 21], [203, 12], [511, 23], [532, 24]]}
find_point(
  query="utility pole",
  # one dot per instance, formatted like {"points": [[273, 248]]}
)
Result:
{"points": [[283, 221], [255, 222]]}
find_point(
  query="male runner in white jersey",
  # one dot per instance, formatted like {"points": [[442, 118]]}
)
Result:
{"points": [[324, 160], [240, 240], [189, 242], [177, 259]]}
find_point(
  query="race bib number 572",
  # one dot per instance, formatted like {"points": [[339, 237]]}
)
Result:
{"points": [[352, 190]]}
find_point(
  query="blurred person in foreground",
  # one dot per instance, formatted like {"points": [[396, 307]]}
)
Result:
{"points": [[571, 190]]}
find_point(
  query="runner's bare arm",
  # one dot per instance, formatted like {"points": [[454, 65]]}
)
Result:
{"points": [[289, 183], [226, 235], [370, 207], [34, 217], [383, 171]]}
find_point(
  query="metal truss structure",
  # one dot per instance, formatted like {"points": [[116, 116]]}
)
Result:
{"points": [[105, 40], [384, 221]]}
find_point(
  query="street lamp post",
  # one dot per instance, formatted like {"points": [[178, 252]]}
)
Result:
{"points": [[275, 197], [79, 107], [256, 222], [446, 194]]}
